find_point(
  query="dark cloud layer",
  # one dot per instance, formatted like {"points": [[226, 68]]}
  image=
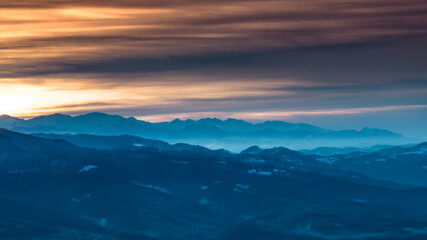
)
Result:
{"points": [[92, 31], [148, 57]]}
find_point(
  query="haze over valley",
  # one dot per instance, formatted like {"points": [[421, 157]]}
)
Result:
{"points": [[230, 134], [213, 120]]}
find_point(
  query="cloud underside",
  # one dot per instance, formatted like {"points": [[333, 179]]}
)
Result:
{"points": [[139, 57], [47, 35]]}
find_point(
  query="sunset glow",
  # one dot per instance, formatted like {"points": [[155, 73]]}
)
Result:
{"points": [[15, 104], [245, 59], [207, 119]]}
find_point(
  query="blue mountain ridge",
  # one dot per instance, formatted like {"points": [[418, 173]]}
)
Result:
{"points": [[232, 134], [83, 186]]}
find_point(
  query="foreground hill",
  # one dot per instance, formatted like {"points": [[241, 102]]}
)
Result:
{"points": [[173, 192], [231, 134]]}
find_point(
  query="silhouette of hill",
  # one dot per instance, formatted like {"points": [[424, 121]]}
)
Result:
{"points": [[106, 187], [231, 134]]}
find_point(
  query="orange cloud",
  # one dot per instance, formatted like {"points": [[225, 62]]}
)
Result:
{"points": [[41, 33], [43, 44]]}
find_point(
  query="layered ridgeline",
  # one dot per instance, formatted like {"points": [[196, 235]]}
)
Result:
{"points": [[402, 165], [91, 187], [231, 134]]}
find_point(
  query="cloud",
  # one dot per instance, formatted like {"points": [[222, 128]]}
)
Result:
{"points": [[47, 35], [393, 85], [167, 57]]}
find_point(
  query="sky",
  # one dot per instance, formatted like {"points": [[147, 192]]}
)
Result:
{"points": [[338, 64]]}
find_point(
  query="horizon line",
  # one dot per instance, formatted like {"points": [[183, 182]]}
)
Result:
{"points": [[195, 120]]}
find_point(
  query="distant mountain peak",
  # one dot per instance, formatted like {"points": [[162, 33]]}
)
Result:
{"points": [[376, 131], [60, 114], [252, 150], [99, 115], [56, 116], [215, 120], [133, 119], [212, 132], [233, 120]]}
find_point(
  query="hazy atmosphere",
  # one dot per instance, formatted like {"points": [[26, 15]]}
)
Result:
{"points": [[213, 120], [338, 65]]}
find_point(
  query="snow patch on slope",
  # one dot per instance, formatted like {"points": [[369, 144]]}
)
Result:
{"points": [[87, 168], [160, 189]]}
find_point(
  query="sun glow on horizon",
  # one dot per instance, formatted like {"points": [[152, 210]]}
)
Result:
{"points": [[16, 103]]}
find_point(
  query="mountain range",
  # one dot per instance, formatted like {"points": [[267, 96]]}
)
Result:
{"points": [[231, 134], [84, 186], [391, 160]]}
